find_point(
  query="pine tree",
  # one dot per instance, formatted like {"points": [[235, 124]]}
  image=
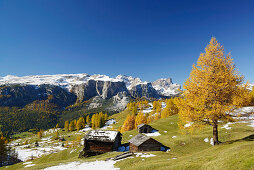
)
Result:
{"points": [[209, 91]]}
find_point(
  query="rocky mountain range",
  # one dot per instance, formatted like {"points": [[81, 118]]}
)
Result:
{"points": [[67, 89]]}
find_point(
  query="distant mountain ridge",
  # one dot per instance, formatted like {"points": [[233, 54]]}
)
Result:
{"points": [[82, 87]]}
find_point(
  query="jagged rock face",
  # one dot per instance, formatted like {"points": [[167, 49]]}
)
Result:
{"points": [[163, 82], [21, 95], [67, 89], [165, 87], [120, 101], [104, 89], [144, 90]]}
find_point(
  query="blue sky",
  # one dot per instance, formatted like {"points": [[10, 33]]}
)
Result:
{"points": [[144, 38]]}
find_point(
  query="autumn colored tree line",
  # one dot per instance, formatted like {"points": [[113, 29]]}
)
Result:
{"points": [[138, 117], [96, 121]]}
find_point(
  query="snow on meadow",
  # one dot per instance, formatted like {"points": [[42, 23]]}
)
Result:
{"points": [[155, 133], [144, 155], [28, 164], [150, 109], [25, 153], [47, 145], [110, 122], [242, 115], [188, 125], [96, 165], [206, 140]]}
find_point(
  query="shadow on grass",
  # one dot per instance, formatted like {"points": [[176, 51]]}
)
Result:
{"points": [[247, 138]]}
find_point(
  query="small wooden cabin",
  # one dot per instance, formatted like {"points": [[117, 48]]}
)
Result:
{"points": [[144, 143], [145, 128], [99, 141]]}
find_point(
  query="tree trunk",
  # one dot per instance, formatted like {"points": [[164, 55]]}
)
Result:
{"points": [[215, 135]]}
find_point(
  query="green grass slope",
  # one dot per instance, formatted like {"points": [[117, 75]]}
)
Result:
{"points": [[192, 152], [187, 151]]}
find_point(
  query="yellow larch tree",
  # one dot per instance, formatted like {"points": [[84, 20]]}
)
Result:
{"points": [[66, 125], [209, 92], [88, 120], [129, 123], [140, 118]]}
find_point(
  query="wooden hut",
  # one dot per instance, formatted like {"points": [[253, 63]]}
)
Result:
{"points": [[144, 143], [145, 128], [99, 141]]}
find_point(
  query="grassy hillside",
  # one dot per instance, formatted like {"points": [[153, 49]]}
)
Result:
{"points": [[187, 151], [192, 152]]}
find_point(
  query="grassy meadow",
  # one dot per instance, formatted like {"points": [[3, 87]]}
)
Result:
{"points": [[187, 151]]}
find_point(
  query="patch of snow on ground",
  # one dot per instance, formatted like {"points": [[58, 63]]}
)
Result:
{"points": [[96, 165], [226, 126], [25, 153], [50, 131], [243, 111], [85, 129], [206, 140], [163, 105], [153, 134], [73, 150], [144, 155], [149, 109], [188, 124], [25, 163], [107, 127], [211, 141], [110, 122], [29, 165], [251, 123]]}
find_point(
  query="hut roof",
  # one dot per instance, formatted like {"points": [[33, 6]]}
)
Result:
{"points": [[100, 135], [139, 139], [142, 124]]}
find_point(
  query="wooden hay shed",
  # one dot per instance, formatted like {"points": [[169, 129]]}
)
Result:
{"points": [[144, 143], [145, 128], [99, 141]]}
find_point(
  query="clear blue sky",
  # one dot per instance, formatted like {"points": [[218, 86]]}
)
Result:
{"points": [[143, 38]]}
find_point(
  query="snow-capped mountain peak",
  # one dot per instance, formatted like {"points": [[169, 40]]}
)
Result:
{"points": [[162, 86]]}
